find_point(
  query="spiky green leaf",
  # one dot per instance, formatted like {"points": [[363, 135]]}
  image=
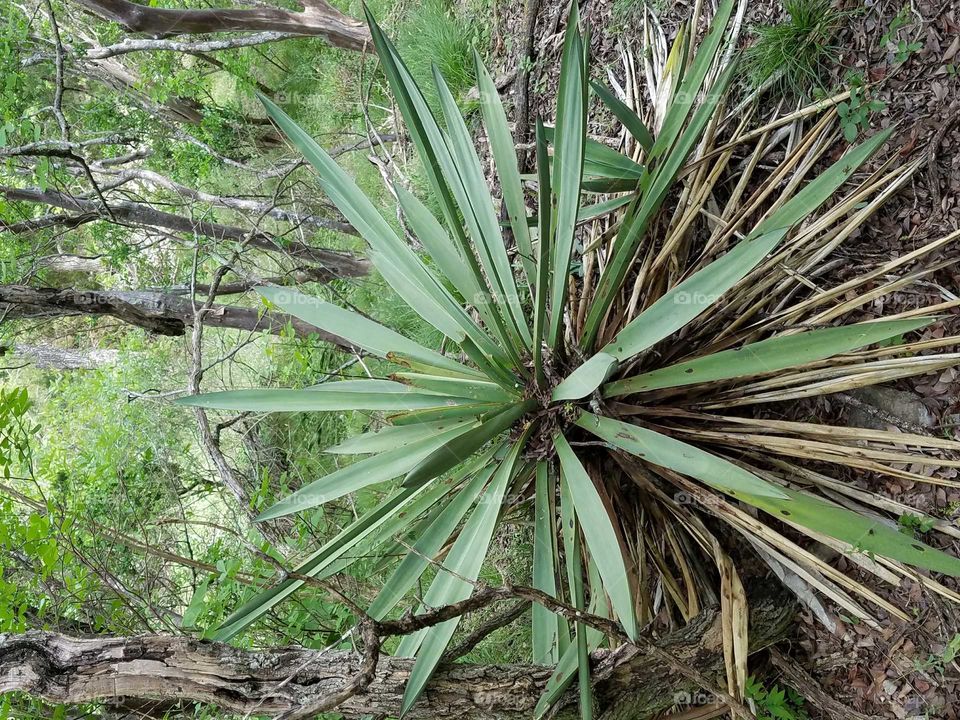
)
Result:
{"points": [[678, 456], [602, 538], [461, 566], [766, 356]]}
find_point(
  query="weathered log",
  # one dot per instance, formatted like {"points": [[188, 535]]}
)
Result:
{"points": [[50, 357], [630, 682], [318, 18]]}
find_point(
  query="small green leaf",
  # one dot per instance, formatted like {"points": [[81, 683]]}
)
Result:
{"points": [[631, 121], [196, 605], [586, 378]]}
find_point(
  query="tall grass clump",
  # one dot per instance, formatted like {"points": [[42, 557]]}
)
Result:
{"points": [[799, 51], [432, 34]]}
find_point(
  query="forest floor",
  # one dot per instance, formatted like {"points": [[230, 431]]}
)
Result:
{"points": [[903, 670]]}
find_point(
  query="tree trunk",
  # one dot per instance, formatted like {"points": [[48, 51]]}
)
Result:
{"points": [[318, 18], [160, 313], [629, 682]]}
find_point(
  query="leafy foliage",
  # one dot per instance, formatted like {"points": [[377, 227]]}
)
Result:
{"points": [[775, 703]]}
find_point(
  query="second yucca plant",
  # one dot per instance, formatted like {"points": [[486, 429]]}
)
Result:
{"points": [[600, 403]]}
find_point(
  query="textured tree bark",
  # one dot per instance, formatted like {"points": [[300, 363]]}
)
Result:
{"points": [[630, 682], [159, 313], [67, 263], [49, 357], [318, 18]]}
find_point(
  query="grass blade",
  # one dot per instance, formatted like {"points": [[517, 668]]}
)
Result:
{"points": [[436, 240], [685, 96], [601, 161], [469, 410]]}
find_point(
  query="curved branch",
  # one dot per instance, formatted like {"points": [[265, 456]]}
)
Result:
{"points": [[318, 19]]}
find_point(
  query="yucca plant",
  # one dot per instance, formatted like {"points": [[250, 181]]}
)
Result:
{"points": [[604, 361]]}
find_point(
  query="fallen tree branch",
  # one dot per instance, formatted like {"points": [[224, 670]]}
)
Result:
{"points": [[318, 18], [131, 45], [630, 681], [160, 313]]}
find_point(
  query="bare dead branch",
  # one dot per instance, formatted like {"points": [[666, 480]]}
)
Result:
{"points": [[141, 214], [160, 313], [318, 19]]}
